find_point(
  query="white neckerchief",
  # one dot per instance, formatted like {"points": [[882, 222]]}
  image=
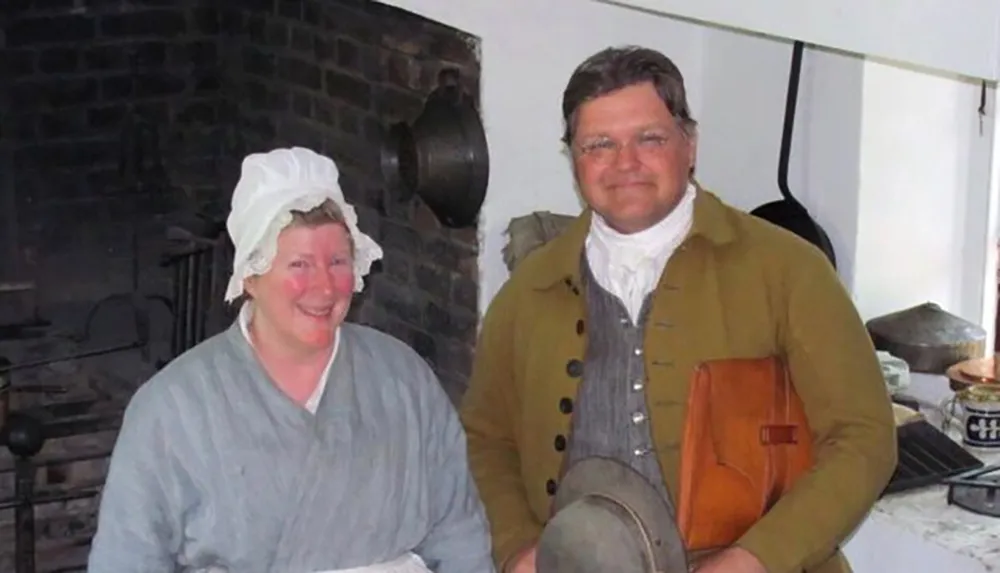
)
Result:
{"points": [[246, 312], [629, 266]]}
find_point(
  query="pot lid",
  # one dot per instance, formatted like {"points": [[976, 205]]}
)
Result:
{"points": [[926, 325], [927, 337]]}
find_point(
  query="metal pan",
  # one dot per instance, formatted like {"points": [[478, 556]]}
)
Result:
{"points": [[788, 212]]}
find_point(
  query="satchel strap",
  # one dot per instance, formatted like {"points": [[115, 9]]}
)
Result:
{"points": [[779, 434]]}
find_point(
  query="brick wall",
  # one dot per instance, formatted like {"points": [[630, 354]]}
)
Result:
{"points": [[327, 74], [330, 75], [75, 74], [214, 81]]}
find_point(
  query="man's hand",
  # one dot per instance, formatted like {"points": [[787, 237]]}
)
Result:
{"points": [[732, 560], [524, 562]]}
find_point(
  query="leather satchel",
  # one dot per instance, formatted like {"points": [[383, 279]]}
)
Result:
{"points": [[745, 442]]}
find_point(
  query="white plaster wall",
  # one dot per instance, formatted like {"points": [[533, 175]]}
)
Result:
{"points": [[831, 146], [924, 188], [529, 50], [888, 159], [745, 82], [940, 34]]}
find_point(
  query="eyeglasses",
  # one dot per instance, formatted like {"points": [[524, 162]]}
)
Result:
{"points": [[604, 148]]}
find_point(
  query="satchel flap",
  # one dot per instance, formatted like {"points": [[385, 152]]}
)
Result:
{"points": [[745, 440], [743, 398]]}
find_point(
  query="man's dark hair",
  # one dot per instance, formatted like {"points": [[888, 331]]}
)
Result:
{"points": [[612, 69]]}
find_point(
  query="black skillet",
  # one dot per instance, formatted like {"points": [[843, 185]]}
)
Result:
{"points": [[788, 212]]}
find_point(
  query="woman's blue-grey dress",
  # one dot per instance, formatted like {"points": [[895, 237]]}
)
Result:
{"points": [[215, 469]]}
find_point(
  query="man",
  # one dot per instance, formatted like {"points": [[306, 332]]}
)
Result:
{"points": [[597, 333]]}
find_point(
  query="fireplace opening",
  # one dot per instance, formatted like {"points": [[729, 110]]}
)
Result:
{"points": [[122, 128]]}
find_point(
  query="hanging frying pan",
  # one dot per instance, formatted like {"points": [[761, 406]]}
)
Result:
{"points": [[788, 212]]}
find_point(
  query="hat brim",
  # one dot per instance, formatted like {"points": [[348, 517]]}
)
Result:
{"points": [[609, 479]]}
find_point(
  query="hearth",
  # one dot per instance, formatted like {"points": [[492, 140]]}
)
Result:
{"points": [[122, 128], [60, 419]]}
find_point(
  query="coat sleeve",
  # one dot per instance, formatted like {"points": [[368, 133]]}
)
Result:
{"points": [[490, 413], [459, 539], [837, 375], [138, 526]]}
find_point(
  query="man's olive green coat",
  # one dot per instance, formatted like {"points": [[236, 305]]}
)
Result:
{"points": [[737, 287]]}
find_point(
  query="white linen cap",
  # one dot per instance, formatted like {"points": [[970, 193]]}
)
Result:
{"points": [[271, 186]]}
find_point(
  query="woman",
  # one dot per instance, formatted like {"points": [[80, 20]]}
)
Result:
{"points": [[293, 442]]}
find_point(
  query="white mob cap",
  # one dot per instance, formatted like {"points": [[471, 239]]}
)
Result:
{"points": [[271, 186]]}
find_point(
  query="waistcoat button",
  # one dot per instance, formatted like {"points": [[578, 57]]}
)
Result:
{"points": [[579, 326], [566, 405], [550, 487]]}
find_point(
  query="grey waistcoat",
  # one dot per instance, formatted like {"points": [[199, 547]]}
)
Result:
{"points": [[610, 416]]}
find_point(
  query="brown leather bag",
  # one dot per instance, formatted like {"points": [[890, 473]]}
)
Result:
{"points": [[745, 442]]}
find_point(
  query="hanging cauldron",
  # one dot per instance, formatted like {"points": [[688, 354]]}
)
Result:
{"points": [[928, 338], [442, 157]]}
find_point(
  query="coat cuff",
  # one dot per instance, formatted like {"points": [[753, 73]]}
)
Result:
{"points": [[772, 551]]}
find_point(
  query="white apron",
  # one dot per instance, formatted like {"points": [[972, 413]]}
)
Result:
{"points": [[409, 563]]}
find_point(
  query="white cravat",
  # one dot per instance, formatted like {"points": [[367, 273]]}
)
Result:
{"points": [[629, 266]]}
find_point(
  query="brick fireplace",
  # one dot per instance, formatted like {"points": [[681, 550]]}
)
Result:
{"points": [[127, 119]]}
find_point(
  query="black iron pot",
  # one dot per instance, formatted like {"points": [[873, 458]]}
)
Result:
{"points": [[442, 157]]}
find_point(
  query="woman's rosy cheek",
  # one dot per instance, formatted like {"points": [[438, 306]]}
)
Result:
{"points": [[295, 286], [343, 283]]}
